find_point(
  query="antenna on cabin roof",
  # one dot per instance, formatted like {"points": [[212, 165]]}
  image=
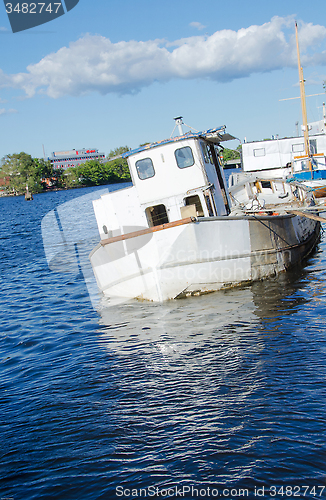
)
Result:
{"points": [[178, 123], [297, 128]]}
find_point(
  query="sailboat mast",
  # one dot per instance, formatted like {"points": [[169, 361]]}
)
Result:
{"points": [[303, 100]]}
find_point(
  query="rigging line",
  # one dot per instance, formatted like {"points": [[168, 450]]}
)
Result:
{"points": [[310, 95], [270, 229]]}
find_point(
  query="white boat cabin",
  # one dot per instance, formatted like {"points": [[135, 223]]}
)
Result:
{"points": [[283, 156], [174, 179]]}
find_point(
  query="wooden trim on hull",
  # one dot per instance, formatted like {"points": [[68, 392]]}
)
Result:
{"points": [[148, 230], [307, 214], [188, 220]]}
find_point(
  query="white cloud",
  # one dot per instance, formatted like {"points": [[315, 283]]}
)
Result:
{"points": [[93, 63], [4, 111], [197, 25]]}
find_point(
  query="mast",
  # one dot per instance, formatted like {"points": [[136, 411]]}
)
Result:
{"points": [[179, 123], [303, 101]]}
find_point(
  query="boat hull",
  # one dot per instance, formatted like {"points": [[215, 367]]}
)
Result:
{"points": [[202, 256]]}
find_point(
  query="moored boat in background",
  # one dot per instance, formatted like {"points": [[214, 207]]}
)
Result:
{"points": [[301, 158]]}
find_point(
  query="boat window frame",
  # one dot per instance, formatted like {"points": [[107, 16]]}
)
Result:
{"points": [[176, 157], [157, 215], [195, 200], [139, 173], [266, 184], [295, 147], [258, 152], [313, 146], [206, 153]]}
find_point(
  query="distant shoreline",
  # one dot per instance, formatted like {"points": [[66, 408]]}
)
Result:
{"points": [[11, 195]]}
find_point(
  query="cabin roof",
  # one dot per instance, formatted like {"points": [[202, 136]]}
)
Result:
{"points": [[215, 135]]}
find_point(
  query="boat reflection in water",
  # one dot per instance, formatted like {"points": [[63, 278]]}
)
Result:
{"points": [[226, 382], [225, 320]]}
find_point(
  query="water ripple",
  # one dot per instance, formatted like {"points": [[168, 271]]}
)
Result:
{"points": [[224, 390]]}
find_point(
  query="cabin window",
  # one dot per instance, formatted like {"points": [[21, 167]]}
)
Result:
{"points": [[259, 152], [313, 146], [156, 215], [184, 157], [266, 184], [298, 148], [195, 200], [206, 153], [145, 168], [303, 165]]}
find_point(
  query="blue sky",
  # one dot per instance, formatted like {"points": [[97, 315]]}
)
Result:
{"points": [[115, 73]]}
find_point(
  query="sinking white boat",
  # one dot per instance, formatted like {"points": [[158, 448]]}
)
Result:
{"points": [[176, 231]]}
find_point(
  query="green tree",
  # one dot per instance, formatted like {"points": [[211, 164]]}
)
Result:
{"points": [[70, 178], [119, 166], [117, 152], [23, 171], [231, 154], [42, 169], [19, 169], [95, 173], [119, 170], [58, 178]]}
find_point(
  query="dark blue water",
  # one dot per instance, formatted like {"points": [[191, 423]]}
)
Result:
{"points": [[216, 396]]}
